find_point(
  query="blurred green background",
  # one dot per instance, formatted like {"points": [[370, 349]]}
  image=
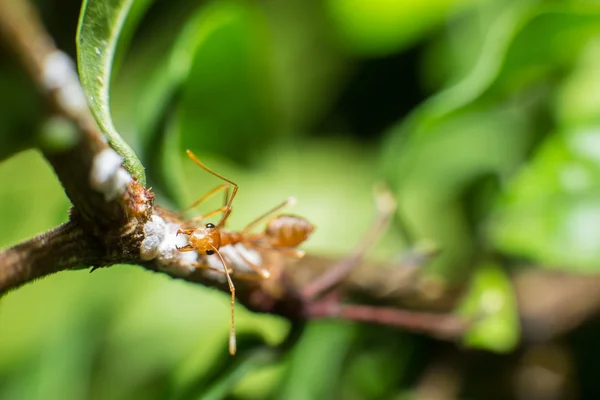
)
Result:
{"points": [[483, 116]]}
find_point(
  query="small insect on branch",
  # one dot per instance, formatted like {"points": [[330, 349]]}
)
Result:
{"points": [[283, 234]]}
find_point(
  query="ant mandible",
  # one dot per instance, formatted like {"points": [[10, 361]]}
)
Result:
{"points": [[283, 233]]}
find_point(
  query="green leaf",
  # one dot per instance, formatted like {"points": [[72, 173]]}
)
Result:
{"points": [[407, 139], [490, 302], [463, 154], [219, 65], [22, 109], [380, 357], [228, 97], [225, 372], [435, 156], [100, 25], [579, 94], [551, 210], [317, 361], [251, 361], [524, 45], [379, 27]]}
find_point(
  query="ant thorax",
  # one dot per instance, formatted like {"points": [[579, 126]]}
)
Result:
{"points": [[205, 239]]}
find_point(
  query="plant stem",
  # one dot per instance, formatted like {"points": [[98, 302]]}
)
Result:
{"points": [[56, 250]]}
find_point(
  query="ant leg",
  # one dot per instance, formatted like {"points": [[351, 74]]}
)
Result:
{"points": [[225, 203], [295, 253], [292, 252], [289, 202], [250, 277], [232, 344], [203, 217], [386, 206], [219, 270], [235, 186], [208, 195], [218, 210], [262, 272]]}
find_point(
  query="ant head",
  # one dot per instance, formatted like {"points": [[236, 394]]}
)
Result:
{"points": [[205, 239]]}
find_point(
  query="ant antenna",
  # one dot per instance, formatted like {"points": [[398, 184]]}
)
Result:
{"points": [[235, 187], [232, 341]]}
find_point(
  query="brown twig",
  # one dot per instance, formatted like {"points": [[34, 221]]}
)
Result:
{"points": [[56, 250], [55, 75], [442, 326]]}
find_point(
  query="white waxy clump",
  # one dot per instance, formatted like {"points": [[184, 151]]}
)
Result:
{"points": [[59, 73], [154, 234], [168, 247], [236, 257], [160, 238], [107, 176]]}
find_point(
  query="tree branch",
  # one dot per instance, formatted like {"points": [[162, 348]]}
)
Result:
{"points": [[56, 250], [55, 75]]}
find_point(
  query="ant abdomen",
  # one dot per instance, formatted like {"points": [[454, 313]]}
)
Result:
{"points": [[288, 230]]}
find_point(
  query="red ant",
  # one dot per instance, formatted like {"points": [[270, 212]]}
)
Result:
{"points": [[282, 233]]}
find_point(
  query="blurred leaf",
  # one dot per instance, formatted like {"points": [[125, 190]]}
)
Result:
{"points": [[550, 40], [222, 386], [163, 68], [28, 207], [380, 359], [262, 382], [226, 371], [227, 100], [579, 94], [146, 90], [483, 74], [100, 24], [551, 210], [21, 107], [491, 303], [135, 13], [523, 46], [317, 361], [225, 40], [219, 64], [310, 69], [450, 56], [472, 145], [378, 27]]}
